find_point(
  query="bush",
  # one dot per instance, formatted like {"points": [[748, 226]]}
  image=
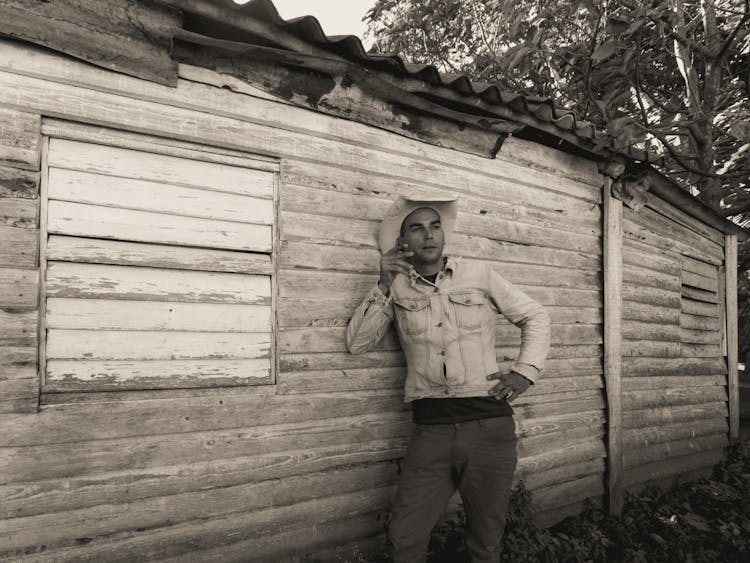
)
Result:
{"points": [[703, 521]]}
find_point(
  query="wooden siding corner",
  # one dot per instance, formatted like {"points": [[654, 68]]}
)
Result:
{"points": [[733, 389], [613, 241], [20, 155]]}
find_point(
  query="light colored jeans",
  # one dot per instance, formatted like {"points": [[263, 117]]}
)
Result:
{"points": [[478, 458]]}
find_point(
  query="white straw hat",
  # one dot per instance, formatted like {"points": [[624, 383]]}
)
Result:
{"points": [[390, 228]]}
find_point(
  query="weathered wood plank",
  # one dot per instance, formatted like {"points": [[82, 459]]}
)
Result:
{"points": [[699, 295], [15, 182], [92, 485], [63, 529], [732, 333], [651, 257], [183, 459], [62, 129], [100, 251], [18, 327], [698, 267], [650, 349], [645, 277], [106, 314], [638, 229], [672, 467], [127, 163], [560, 494], [18, 287], [20, 142], [19, 212], [361, 536], [346, 379], [563, 473], [547, 461], [534, 445], [157, 197], [650, 295], [691, 336], [689, 242], [155, 345], [677, 396], [683, 219], [615, 330], [535, 155], [19, 247], [691, 307], [636, 330], [666, 366], [143, 226], [701, 282], [666, 415], [638, 456], [103, 281], [688, 350], [219, 409], [180, 539], [64, 375], [701, 323], [498, 191], [672, 381]]}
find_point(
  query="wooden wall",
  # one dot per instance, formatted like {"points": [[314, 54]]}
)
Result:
{"points": [[309, 463], [674, 370]]}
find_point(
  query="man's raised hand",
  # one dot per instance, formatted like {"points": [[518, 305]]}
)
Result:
{"points": [[394, 262]]}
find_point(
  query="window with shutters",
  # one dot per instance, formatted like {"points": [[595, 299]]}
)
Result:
{"points": [[157, 267]]}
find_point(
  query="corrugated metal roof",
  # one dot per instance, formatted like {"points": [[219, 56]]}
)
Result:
{"points": [[351, 48]]}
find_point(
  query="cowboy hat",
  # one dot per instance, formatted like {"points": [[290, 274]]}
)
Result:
{"points": [[390, 228]]}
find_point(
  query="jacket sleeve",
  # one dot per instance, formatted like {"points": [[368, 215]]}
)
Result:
{"points": [[369, 322], [530, 317]]}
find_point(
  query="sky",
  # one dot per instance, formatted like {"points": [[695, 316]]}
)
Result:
{"points": [[337, 17]]}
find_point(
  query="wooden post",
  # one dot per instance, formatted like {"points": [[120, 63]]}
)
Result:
{"points": [[613, 344], [733, 389]]}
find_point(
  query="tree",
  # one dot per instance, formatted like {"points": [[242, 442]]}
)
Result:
{"points": [[668, 76]]}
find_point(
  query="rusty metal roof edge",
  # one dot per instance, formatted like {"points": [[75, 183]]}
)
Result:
{"points": [[350, 47]]}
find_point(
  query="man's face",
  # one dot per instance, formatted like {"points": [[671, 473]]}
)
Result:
{"points": [[423, 233]]}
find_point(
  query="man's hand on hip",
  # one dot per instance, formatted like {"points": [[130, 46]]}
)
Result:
{"points": [[510, 386]]}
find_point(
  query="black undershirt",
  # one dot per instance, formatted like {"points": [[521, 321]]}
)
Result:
{"points": [[457, 409]]}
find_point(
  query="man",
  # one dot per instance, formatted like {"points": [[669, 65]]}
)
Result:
{"points": [[444, 311]]}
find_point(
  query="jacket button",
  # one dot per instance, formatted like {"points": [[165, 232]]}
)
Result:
{"points": [[442, 353], [447, 392], [440, 324]]}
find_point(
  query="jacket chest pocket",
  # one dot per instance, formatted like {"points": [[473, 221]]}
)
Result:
{"points": [[469, 308], [412, 315]]}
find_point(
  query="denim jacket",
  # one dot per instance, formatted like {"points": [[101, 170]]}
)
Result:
{"points": [[447, 329]]}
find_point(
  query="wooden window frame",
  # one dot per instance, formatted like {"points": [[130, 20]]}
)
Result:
{"points": [[115, 138]]}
